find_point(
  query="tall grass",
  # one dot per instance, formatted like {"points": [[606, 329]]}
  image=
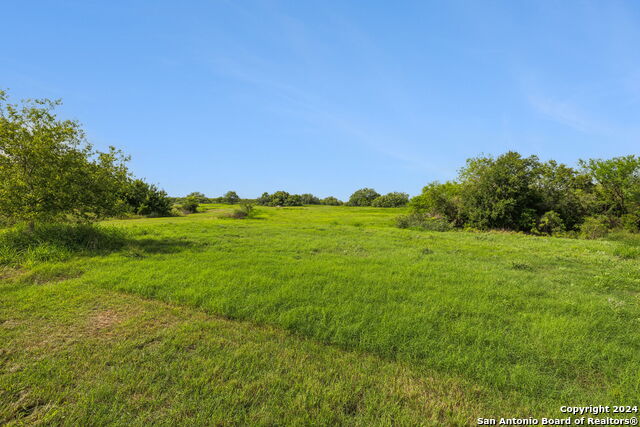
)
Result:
{"points": [[54, 242]]}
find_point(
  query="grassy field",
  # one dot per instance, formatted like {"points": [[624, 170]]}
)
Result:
{"points": [[318, 315]]}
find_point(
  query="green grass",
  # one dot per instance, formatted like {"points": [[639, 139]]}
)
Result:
{"points": [[319, 315]]}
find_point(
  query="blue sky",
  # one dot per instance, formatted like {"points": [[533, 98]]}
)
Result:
{"points": [[330, 96]]}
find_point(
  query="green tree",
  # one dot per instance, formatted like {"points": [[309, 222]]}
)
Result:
{"points": [[50, 172], [279, 198], [198, 196], [264, 199], [363, 197], [617, 183], [231, 197], [566, 192], [391, 200], [500, 193], [147, 199], [331, 201], [550, 223], [440, 199], [190, 204], [309, 199], [293, 200]]}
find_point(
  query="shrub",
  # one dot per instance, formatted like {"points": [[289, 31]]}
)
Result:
{"points": [[551, 223], [231, 197], [331, 201], [198, 196], [147, 199], [630, 222], [190, 205], [363, 197], [293, 200], [244, 211], [595, 227], [280, 198], [500, 192], [49, 172], [309, 199], [423, 222], [440, 200], [391, 200]]}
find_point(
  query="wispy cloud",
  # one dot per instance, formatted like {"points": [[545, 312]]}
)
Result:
{"points": [[302, 100], [566, 113]]}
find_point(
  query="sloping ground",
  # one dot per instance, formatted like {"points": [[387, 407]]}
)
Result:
{"points": [[333, 317], [75, 355]]}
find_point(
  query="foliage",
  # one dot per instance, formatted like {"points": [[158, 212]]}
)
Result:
{"points": [[631, 222], [280, 198], [231, 197], [331, 201], [440, 200], [617, 183], [146, 199], [391, 200], [518, 193], [565, 191], [309, 199], [50, 172], [595, 227], [551, 223], [245, 210], [363, 197], [198, 196], [423, 221], [496, 193], [190, 205]]}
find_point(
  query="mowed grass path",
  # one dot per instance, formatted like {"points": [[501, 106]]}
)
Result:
{"points": [[337, 306]]}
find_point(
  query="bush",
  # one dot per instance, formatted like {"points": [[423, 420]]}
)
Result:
{"points": [[190, 205], [244, 211], [423, 222], [391, 200], [198, 196], [309, 199], [500, 193], [363, 197], [331, 201], [293, 200], [53, 242], [595, 227], [147, 199], [280, 198], [231, 197], [630, 222], [49, 172], [440, 200], [551, 223]]}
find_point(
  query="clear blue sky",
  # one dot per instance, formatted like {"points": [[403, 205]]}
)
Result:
{"points": [[330, 96]]}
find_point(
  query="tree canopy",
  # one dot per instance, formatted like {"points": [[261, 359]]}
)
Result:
{"points": [[522, 193], [363, 197], [48, 169]]}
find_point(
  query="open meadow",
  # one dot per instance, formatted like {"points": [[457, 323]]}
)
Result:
{"points": [[316, 315]]}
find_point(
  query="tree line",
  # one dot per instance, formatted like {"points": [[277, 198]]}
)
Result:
{"points": [[513, 192], [362, 197], [49, 172]]}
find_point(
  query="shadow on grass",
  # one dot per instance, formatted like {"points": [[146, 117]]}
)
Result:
{"points": [[151, 246], [57, 242]]}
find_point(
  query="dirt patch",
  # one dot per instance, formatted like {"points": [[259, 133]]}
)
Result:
{"points": [[10, 273], [103, 321]]}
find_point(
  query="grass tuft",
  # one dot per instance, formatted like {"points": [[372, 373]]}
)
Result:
{"points": [[57, 242]]}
